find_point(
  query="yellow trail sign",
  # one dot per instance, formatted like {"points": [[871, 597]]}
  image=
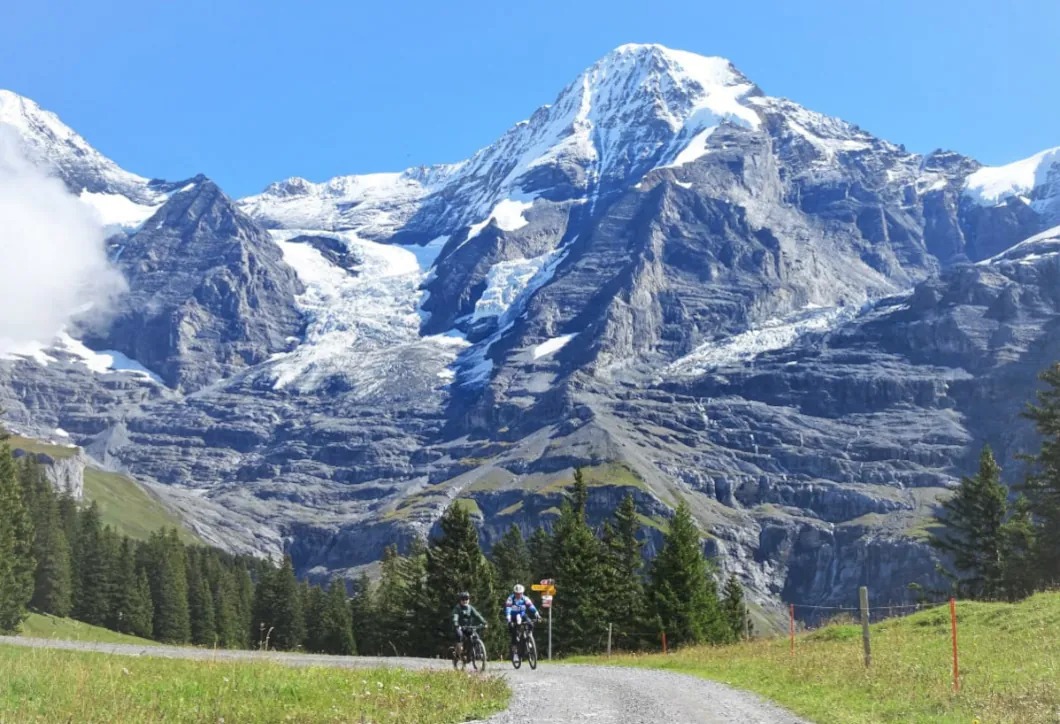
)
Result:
{"points": [[547, 590]]}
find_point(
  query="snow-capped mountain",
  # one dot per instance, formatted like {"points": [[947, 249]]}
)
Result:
{"points": [[120, 198], [697, 289]]}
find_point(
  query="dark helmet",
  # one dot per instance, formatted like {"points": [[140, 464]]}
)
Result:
{"points": [[464, 596]]}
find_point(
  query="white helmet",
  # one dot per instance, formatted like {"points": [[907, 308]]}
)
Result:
{"points": [[518, 588]]}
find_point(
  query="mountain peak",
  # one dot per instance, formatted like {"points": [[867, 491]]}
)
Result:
{"points": [[52, 144]]}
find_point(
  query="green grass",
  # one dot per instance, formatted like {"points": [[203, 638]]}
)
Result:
{"points": [[610, 474], [1010, 667], [41, 685], [512, 509], [129, 508], [36, 446], [469, 505], [123, 504], [66, 629]]}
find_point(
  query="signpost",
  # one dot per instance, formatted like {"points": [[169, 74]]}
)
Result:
{"points": [[547, 587]]}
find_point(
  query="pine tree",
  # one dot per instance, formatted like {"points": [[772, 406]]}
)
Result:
{"points": [[1019, 574], [316, 634], [220, 580], [165, 561], [53, 578], [200, 600], [93, 592], [733, 608], [511, 556], [278, 608], [141, 609], [683, 594], [577, 560], [337, 625], [455, 563], [244, 592], [540, 548], [398, 601], [69, 519], [16, 547], [365, 619], [623, 580], [1042, 487], [971, 532], [131, 608]]}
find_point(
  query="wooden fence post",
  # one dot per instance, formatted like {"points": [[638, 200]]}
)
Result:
{"points": [[863, 597], [791, 626], [953, 625], [664, 641], [609, 639]]}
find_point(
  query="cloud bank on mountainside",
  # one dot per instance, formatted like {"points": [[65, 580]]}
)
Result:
{"points": [[53, 252]]}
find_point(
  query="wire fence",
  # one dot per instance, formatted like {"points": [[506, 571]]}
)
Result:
{"points": [[801, 617]]}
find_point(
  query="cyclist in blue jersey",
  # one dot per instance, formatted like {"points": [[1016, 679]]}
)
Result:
{"points": [[519, 604]]}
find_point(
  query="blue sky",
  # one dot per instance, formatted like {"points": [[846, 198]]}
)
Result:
{"points": [[252, 92]]}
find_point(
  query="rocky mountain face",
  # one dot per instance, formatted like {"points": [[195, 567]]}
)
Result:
{"points": [[693, 289]]}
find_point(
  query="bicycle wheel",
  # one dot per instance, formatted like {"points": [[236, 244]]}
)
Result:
{"points": [[478, 656], [454, 657], [517, 658], [531, 651]]}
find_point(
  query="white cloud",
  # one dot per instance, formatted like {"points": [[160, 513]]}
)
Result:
{"points": [[53, 260]]}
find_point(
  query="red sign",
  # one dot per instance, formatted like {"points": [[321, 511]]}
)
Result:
{"points": [[548, 582], [546, 602]]}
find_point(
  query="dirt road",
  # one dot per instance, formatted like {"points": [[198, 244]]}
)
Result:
{"points": [[554, 694]]}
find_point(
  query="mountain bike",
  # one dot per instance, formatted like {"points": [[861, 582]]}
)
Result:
{"points": [[474, 651], [525, 646]]}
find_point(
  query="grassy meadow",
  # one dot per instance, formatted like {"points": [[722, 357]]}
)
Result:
{"points": [[43, 685], [1009, 662]]}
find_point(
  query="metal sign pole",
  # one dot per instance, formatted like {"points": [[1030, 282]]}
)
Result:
{"points": [[550, 633]]}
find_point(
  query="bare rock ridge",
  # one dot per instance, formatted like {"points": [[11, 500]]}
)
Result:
{"points": [[694, 289]]}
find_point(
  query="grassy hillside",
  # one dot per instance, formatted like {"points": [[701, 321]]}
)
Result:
{"points": [[123, 504], [41, 685], [66, 629], [1010, 664]]}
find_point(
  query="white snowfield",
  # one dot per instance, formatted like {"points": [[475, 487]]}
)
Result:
{"points": [[1039, 246], [602, 122], [993, 185], [361, 323], [102, 362], [115, 210], [771, 335], [551, 346]]}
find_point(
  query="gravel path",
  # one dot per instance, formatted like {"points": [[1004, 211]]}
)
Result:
{"points": [[555, 693]]}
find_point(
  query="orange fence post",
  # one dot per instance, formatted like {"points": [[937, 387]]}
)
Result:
{"points": [[791, 627], [663, 634], [953, 624]]}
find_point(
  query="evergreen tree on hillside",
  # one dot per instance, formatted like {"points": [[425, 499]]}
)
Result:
{"points": [[315, 634], [278, 607], [1019, 572], [511, 556], [455, 563], [17, 565], [398, 601], [337, 625], [1042, 487], [363, 615], [972, 522], [200, 600], [69, 519], [242, 637], [578, 563], [221, 581], [733, 608], [93, 591], [131, 608], [53, 578], [540, 548], [683, 594], [165, 562], [623, 580]]}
